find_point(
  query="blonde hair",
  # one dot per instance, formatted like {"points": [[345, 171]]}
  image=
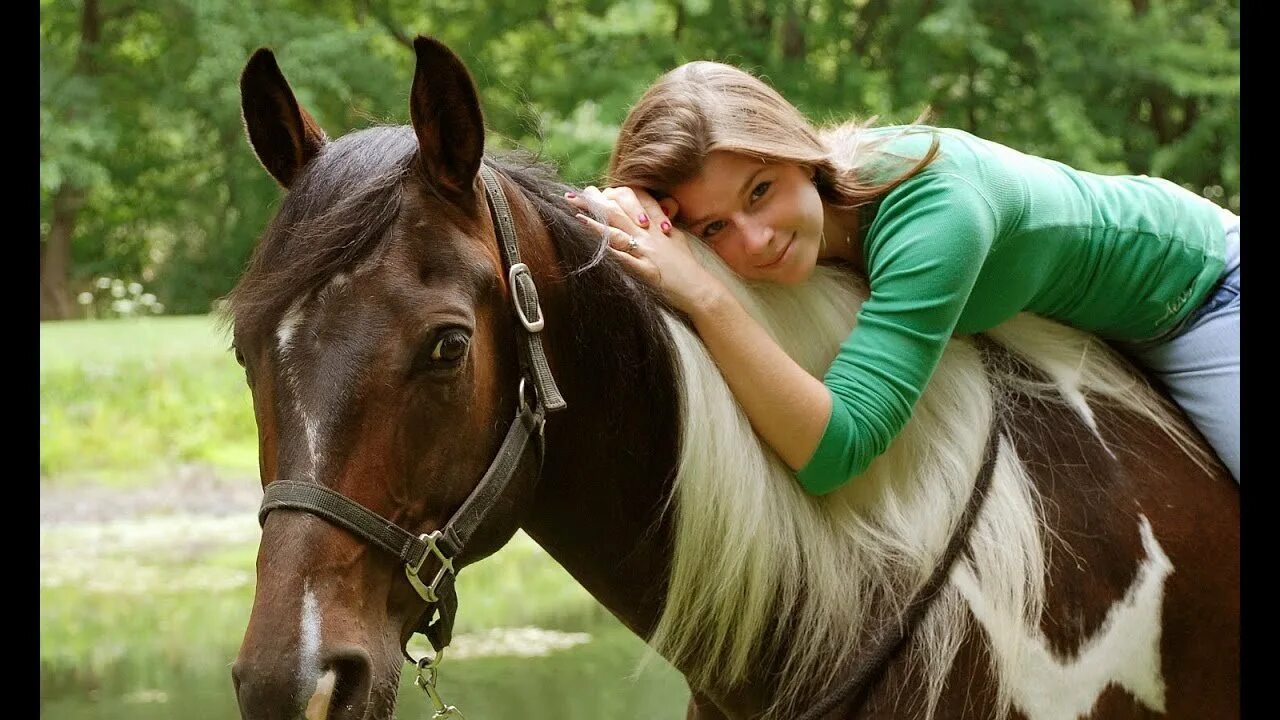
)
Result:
{"points": [[703, 106]]}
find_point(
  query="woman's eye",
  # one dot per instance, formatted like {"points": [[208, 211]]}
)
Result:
{"points": [[761, 189], [450, 347], [712, 228]]}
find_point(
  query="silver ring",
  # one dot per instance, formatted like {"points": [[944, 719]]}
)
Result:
{"points": [[631, 241]]}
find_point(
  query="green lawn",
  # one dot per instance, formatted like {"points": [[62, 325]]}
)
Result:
{"points": [[78, 342], [121, 400]]}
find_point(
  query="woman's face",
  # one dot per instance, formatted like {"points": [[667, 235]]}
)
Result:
{"points": [[764, 220]]}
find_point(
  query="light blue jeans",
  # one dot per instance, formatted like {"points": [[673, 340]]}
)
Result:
{"points": [[1199, 361]]}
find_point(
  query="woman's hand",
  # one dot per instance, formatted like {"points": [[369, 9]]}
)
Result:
{"points": [[642, 238]]}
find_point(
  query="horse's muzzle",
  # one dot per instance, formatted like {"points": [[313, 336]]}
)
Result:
{"points": [[338, 689]]}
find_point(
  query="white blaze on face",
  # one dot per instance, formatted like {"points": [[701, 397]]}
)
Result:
{"points": [[287, 337], [308, 636], [318, 704], [1125, 651]]}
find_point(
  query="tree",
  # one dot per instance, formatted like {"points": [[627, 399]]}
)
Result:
{"points": [[145, 173]]}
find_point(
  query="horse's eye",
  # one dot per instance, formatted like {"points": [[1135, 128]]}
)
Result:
{"points": [[239, 355], [450, 347]]}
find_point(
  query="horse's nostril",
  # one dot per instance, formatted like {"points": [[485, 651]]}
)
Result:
{"points": [[350, 692], [265, 691]]}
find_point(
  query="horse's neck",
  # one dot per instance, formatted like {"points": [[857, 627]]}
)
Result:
{"points": [[598, 509], [610, 455]]}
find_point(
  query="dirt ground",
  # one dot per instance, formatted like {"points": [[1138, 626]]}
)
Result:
{"points": [[189, 490]]}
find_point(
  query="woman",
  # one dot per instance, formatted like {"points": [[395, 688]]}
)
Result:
{"points": [[954, 233]]}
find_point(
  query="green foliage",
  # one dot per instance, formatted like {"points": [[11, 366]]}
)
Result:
{"points": [[149, 124]]}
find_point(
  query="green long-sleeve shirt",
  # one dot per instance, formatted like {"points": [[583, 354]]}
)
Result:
{"points": [[985, 232]]}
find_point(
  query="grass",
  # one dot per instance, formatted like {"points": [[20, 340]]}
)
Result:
{"points": [[122, 400]]}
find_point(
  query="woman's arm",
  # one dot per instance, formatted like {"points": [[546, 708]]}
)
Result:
{"points": [[787, 406]]}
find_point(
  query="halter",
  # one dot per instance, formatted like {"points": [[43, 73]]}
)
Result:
{"points": [[449, 541]]}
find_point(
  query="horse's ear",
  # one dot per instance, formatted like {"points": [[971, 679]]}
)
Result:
{"points": [[283, 134], [445, 112]]}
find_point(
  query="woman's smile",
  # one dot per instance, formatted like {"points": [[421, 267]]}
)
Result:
{"points": [[786, 251]]}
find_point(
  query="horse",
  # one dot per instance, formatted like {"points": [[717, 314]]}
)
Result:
{"points": [[1046, 538]]}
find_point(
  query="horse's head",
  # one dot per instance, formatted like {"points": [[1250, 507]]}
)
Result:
{"points": [[375, 327]]}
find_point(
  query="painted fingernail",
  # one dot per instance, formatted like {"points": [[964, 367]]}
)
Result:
{"points": [[666, 226], [583, 219], [571, 195], [644, 219]]}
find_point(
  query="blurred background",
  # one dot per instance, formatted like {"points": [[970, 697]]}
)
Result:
{"points": [[151, 201]]}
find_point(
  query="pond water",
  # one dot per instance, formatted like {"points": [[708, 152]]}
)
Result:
{"points": [[591, 680], [142, 619]]}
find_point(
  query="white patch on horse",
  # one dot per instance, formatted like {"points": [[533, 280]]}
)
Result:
{"points": [[338, 282], [318, 705], [292, 318], [309, 635], [1071, 393], [286, 334], [1125, 651]]}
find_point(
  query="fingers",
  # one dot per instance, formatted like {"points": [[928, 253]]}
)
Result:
{"points": [[615, 215], [618, 240], [625, 249], [640, 204], [625, 207], [669, 207], [627, 199], [631, 262]]}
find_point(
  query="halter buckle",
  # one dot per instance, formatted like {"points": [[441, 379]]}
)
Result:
{"points": [[517, 296], [428, 592]]}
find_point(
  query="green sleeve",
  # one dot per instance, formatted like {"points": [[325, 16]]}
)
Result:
{"points": [[924, 251]]}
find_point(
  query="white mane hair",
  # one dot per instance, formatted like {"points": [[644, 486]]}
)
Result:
{"points": [[751, 547]]}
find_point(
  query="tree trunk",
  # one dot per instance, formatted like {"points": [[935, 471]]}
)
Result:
{"points": [[793, 42], [55, 256]]}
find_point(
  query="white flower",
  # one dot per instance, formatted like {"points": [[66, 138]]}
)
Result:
{"points": [[103, 283], [84, 298], [124, 307], [134, 288]]}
